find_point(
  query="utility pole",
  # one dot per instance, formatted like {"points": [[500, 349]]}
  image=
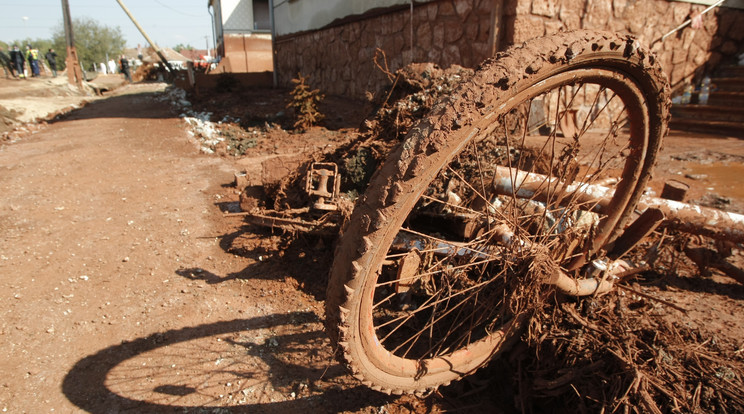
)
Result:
{"points": [[74, 72], [154, 46]]}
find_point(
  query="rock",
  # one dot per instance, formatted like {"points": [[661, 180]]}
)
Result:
{"points": [[251, 198], [545, 8], [696, 176]]}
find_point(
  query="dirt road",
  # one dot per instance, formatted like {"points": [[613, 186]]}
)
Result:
{"points": [[117, 293]]}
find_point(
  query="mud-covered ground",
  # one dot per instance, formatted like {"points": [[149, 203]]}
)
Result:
{"points": [[128, 289]]}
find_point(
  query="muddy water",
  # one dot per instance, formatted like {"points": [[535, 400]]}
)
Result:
{"points": [[725, 179]]}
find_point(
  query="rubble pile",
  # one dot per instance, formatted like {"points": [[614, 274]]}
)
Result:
{"points": [[8, 119], [621, 353], [414, 89], [223, 137]]}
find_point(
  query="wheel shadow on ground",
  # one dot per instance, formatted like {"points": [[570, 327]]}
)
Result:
{"points": [[305, 258], [275, 363]]}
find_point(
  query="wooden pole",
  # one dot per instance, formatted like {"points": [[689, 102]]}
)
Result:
{"points": [[154, 46], [74, 72]]}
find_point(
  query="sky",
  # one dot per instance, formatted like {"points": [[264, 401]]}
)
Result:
{"points": [[167, 22]]}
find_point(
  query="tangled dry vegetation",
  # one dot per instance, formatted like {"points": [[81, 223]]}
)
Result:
{"points": [[414, 90], [620, 354]]}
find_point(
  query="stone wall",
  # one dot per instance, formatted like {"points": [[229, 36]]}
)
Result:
{"points": [[340, 59], [685, 55]]}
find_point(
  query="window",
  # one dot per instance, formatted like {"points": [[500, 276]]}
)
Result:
{"points": [[261, 16]]}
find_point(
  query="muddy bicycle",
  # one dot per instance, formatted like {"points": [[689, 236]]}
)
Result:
{"points": [[435, 269], [531, 173]]}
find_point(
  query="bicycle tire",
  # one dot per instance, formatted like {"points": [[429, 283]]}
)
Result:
{"points": [[458, 122]]}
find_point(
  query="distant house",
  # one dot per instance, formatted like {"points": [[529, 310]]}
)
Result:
{"points": [[196, 54], [242, 31], [132, 54], [175, 59]]}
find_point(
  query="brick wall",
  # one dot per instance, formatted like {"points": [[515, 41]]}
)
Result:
{"points": [[340, 59]]}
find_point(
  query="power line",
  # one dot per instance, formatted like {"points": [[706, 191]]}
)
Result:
{"points": [[176, 10]]}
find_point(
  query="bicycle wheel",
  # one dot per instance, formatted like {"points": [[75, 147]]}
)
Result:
{"points": [[439, 264]]}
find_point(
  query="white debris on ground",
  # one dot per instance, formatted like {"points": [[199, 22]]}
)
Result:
{"points": [[206, 132], [203, 130]]}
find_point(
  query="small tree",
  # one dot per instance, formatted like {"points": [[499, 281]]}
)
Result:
{"points": [[305, 104], [179, 47], [93, 41]]}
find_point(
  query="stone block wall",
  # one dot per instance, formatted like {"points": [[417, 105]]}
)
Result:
{"points": [[688, 54], [340, 59]]}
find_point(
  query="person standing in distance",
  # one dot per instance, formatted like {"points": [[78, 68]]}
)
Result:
{"points": [[32, 54], [51, 58], [124, 63], [16, 57]]}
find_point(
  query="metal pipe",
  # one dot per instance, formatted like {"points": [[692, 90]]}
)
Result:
{"points": [[687, 23], [539, 187], [273, 44], [69, 37], [154, 46], [706, 221], [411, 23], [214, 29], [580, 287], [559, 279]]}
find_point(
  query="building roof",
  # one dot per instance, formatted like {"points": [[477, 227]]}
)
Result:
{"points": [[194, 54], [170, 54]]}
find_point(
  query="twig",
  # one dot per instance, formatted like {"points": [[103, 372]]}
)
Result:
{"points": [[628, 364], [240, 214], [392, 88], [520, 386], [633, 386], [568, 377], [330, 362], [648, 402], [734, 392], [644, 295], [661, 388], [740, 350], [720, 398], [632, 272], [583, 322], [384, 70], [696, 397]]}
